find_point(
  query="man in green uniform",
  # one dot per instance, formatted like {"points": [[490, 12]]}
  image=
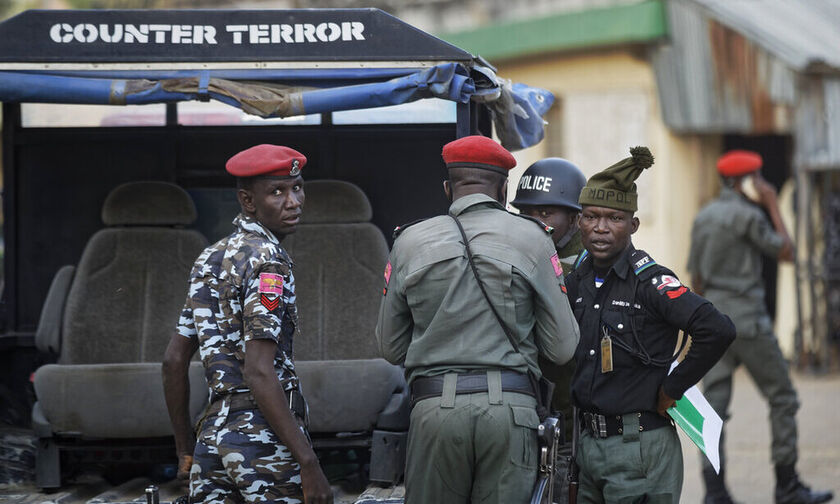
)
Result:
{"points": [[549, 191], [473, 424], [727, 241], [630, 312]]}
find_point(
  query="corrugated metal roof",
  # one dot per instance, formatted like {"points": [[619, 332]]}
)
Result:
{"points": [[713, 78], [755, 67], [803, 33]]}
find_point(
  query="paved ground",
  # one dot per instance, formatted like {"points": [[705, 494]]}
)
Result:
{"points": [[750, 475], [750, 471]]}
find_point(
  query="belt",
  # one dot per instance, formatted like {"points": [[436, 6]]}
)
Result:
{"points": [[240, 401], [469, 383], [603, 426]]}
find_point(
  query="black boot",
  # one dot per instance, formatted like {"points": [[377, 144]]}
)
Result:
{"points": [[716, 492], [789, 490]]}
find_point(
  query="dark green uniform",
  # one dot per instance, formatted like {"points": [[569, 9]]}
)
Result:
{"points": [[434, 319], [727, 241], [569, 252]]}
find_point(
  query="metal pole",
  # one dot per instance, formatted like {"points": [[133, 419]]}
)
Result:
{"points": [[799, 216], [812, 274], [825, 278], [463, 116]]}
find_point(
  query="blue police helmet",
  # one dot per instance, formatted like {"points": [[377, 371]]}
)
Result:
{"points": [[550, 181]]}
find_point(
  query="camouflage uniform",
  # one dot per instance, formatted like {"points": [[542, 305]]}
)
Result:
{"points": [[241, 288]]}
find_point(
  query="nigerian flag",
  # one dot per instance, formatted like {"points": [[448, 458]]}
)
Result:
{"points": [[700, 422]]}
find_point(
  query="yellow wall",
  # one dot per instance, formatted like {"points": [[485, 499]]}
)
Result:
{"points": [[607, 103]]}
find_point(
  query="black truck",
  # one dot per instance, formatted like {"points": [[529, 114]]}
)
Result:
{"points": [[116, 127]]}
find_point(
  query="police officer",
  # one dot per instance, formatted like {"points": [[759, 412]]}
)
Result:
{"points": [[472, 435], [630, 310], [241, 315], [548, 191], [728, 239]]}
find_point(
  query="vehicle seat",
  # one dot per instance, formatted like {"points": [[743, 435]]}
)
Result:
{"points": [[354, 396], [110, 321]]}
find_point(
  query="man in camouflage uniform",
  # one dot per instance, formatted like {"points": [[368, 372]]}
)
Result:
{"points": [[241, 315]]}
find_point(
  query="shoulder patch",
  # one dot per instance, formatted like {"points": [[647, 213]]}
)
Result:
{"points": [[399, 229], [387, 278], [271, 283], [541, 224], [668, 285], [580, 258], [555, 262], [641, 261]]}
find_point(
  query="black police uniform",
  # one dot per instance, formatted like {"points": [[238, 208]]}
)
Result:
{"points": [[640, 307]]}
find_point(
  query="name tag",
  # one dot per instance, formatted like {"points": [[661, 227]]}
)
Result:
{"points": [[606, 354]]}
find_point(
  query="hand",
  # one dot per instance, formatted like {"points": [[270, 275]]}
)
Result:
{"points": [[184, 466], [767, 194], [316, 488], [664, 403]]}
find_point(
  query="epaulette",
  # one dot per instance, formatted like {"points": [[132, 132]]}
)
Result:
{"points": [[399, 229], [580, 258], [547, 229], [643, 264]]}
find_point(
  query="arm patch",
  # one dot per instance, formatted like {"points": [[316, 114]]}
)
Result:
{"points": [[668, 285]]}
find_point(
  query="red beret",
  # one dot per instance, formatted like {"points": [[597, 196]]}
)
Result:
{"points": [[739, 162], [265, 159], [478, 152]]}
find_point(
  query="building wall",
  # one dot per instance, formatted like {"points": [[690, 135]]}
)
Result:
{"points": [[607, 103]]}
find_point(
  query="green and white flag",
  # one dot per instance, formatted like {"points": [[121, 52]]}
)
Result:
{"points": [[700, 422]]}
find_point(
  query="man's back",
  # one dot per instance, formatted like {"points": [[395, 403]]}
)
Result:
{"points": [[453, 328], [727, 240]]}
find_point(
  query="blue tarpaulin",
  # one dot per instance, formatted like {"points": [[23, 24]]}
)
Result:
{"points": [[517, 109]]}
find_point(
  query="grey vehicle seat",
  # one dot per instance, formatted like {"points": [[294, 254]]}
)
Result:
{"points": [[354, 396], [110, 319]]}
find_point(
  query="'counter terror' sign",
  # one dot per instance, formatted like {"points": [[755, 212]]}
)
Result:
{"points": [[216, 35]]}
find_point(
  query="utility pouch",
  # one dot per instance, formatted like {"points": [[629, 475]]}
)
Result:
{"points": [[544, 391]]}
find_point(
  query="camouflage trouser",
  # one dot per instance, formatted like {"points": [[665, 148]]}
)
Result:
{"points": [[238, 458]]}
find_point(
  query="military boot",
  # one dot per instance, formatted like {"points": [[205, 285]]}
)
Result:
{"points": [[789, 490], [716, 492]]}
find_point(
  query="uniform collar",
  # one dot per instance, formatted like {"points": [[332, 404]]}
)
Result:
{"points": [[621, 267], [461, 205], [248, 224], [573, 248], [728, 193]]}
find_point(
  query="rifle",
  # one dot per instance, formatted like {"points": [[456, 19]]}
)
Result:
{"points": [[573, 473], [549, 439]]}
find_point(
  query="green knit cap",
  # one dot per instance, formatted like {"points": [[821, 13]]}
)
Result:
{"points": [[615, 187]]}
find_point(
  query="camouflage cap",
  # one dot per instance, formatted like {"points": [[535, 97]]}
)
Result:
{"points": [[615, 186]]}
